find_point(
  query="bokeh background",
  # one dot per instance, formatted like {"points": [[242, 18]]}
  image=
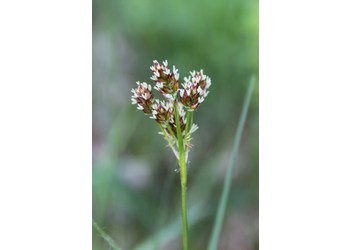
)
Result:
{"points": [[135, 185]]}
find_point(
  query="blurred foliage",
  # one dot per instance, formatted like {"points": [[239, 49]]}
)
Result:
{"points": [[136, 190]]}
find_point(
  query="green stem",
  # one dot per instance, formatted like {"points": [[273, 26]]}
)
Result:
{"points": [[183, 175], [191, 121], [188, 121], [184, 216], [105, 236]]}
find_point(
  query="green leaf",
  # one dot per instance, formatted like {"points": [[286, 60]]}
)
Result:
{"points": [[214, 239]]}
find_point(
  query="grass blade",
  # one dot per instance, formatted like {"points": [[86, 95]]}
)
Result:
{"points": [[106, 237], [214, 239]]}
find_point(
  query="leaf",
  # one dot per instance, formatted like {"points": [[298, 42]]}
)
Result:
{"points": [[214, 239]]}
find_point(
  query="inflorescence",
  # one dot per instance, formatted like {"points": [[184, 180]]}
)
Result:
{"points": [[185, 98]]}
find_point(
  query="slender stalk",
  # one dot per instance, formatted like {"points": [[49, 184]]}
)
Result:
{"points": [[191, 120], [184, 204], [188, 121], [105, 236], [183, 175]]}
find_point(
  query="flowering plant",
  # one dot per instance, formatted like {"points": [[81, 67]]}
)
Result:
{"points": [[174, 114]]}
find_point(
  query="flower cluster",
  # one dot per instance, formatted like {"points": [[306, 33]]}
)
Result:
{"points": [[143, 97], [167, 81], [173, 112], [195, 89]]}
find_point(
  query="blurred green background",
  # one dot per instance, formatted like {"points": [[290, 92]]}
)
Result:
{"points": [[135, 188]]}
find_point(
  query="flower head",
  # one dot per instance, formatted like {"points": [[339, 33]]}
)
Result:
{"points": [[143, 97], [162, 112], [173, 114], [166, 80], [195, 89]]}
